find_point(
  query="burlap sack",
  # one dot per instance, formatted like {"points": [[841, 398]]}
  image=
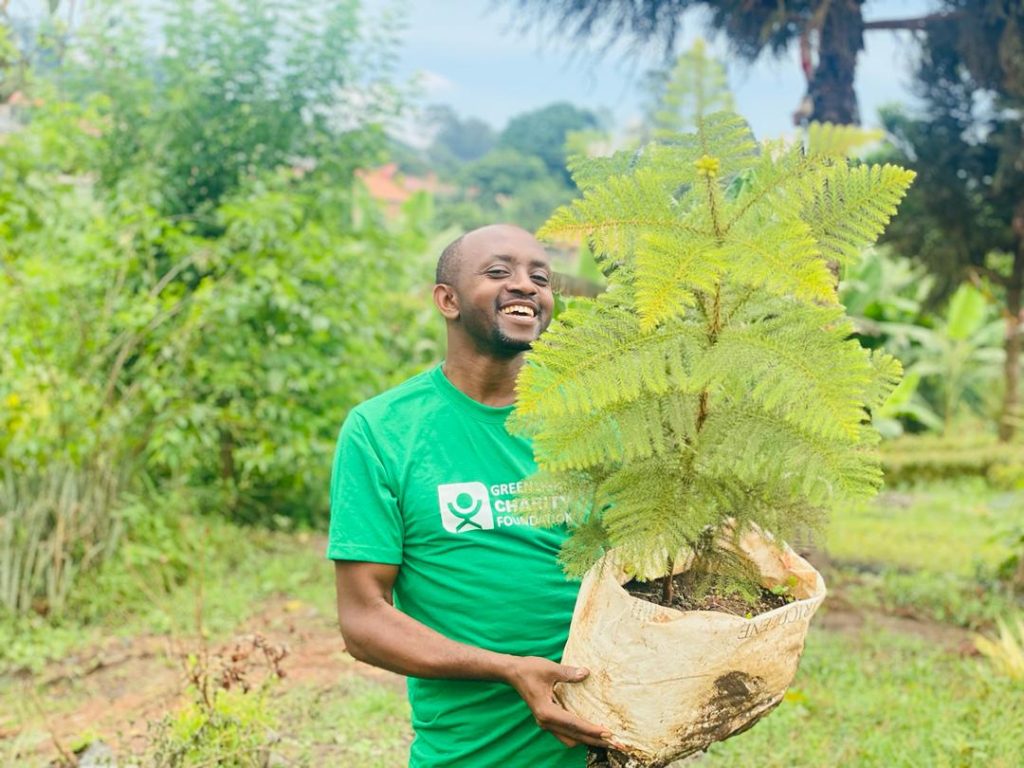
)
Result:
{"points": [[668, 683]]}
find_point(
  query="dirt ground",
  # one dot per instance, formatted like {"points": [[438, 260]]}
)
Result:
{"points": [[116, 690]]}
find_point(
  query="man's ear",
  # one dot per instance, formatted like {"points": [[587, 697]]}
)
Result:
{"points": [[446, 301]]}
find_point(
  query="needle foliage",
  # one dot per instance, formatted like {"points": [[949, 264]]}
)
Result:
{"points": [[717, 378]]}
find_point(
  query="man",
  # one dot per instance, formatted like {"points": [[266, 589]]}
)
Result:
{"points": [[437, 576]]}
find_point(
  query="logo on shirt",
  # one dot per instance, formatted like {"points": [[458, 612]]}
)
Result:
{"points": [[465, 507]]}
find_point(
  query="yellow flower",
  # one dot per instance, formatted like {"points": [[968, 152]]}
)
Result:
{"points": [[708, 166], [12, 400]]}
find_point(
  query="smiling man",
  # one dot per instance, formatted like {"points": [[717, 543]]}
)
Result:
{"points": [[438, 576]]}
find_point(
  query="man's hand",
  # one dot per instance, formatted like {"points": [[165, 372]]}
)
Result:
{"points": [[534, 679]]}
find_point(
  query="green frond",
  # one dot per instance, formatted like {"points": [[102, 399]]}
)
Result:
{"points": [[780, 256], [670, 270], [888, 372], [849, 207], [650, 522], [799, 364], [586, 545], [776, 183], [589, 172], [747, 444], [595, 355], [628, 431], [776, 510], [839, 140], [614, 214], [726, 136]]}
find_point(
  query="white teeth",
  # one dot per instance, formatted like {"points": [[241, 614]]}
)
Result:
{"points": [[519, 309]]}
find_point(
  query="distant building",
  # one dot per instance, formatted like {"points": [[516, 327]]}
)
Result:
{"points": [[391, 188], [10, 111]]}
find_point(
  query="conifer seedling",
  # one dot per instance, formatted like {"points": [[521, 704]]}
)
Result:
{"points": [[715, 385]]}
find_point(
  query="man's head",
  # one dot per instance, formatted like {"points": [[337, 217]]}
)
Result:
{"points": [[494, 289]]}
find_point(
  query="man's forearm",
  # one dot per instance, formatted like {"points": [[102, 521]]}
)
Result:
{"points": [[387, 638]]}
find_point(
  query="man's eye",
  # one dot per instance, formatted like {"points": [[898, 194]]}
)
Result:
{"points": [[541, 278], [497, 272]]}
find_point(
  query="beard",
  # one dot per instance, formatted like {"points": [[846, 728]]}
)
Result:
{"points": [[504, 343]]}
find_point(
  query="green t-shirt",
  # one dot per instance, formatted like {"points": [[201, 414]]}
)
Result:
{"points": [[425, 477]]}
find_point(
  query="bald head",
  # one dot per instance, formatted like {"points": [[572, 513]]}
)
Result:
{"points": [[450, 262]]}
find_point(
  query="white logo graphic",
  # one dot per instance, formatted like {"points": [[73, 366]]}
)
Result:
{"points": [[465, 507]]}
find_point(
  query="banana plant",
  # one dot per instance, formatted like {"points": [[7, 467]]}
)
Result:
{"points": [[959, 360]]}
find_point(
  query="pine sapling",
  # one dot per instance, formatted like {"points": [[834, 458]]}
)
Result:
{"points": [[716, 384]]}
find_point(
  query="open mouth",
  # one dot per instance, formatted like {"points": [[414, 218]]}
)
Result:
{"points": [[519, 310]]}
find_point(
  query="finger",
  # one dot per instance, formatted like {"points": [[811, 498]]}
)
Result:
{"points": [[570, 743], [563, 723], [568, 674]]}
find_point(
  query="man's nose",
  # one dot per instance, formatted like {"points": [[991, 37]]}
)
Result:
{"points": [[520, 282]]}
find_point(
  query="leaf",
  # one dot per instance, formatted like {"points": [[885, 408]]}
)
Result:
{"points": [[848, 208], [967, 312], [670, 271], [596, 355], [838, 140], [780, 256], [796, 364]]}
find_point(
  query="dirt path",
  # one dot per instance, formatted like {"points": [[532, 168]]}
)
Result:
{"points": [[116, 691]]}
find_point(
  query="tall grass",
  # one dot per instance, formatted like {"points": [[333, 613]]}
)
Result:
{"points": [[56, 522]]}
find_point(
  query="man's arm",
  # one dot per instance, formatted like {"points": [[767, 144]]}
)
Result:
{"points": [[378, 633]]}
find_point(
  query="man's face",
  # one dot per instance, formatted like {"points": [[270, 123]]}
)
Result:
{"points": [[503, 289]]}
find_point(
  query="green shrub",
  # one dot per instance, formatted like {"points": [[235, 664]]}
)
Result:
{"points": [[927, 458], [234, 731]]}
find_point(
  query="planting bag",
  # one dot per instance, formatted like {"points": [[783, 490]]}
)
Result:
{"points": [[668, 683]]}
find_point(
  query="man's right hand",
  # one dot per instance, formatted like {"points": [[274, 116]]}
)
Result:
{"points": [[534, 679]]}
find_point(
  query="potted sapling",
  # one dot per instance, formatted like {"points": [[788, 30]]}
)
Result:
{"points": [[708, 404]]}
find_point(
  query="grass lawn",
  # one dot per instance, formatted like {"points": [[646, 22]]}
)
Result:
{"points": [[947, 529], [885, 699]]}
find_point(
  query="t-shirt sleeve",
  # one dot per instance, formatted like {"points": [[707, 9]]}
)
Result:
{"points": [[366, 522]]}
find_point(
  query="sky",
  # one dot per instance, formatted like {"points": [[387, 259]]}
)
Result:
{"points": [[475, 56]]}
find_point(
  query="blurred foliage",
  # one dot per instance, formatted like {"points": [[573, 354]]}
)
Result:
{"points": [[517, 175], [1005, 651], [230, 88], [190, 291], [973, 453], [953, 355], [966, 214]]}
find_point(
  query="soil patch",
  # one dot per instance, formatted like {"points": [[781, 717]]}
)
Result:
{"points": [[685, 599], [117, 690], [841, 616]]}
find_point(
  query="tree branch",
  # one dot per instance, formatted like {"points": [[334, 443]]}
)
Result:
{"points": [[920, 22]]}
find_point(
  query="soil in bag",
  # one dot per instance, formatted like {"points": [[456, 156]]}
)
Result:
{"points": [[686, 598]]}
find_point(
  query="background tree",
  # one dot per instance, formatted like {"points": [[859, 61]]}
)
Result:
{"points": [[965, 217], [239, 87], [830, 34], [520, 178], [543, 132], [188, 303], [457, 139]]}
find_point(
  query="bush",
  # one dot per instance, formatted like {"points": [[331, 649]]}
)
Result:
{"points": [[927, 458]]}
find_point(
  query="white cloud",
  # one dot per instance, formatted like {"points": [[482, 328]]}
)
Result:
{"points": [[434, 83]]}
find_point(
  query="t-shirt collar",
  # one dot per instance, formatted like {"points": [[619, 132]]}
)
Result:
{"points": [[465, 403]]}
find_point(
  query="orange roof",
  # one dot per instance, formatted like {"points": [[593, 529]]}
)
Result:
{"points": [[388, 186]]}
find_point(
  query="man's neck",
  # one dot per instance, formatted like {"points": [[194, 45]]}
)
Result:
{"points": [[487, 380]]}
